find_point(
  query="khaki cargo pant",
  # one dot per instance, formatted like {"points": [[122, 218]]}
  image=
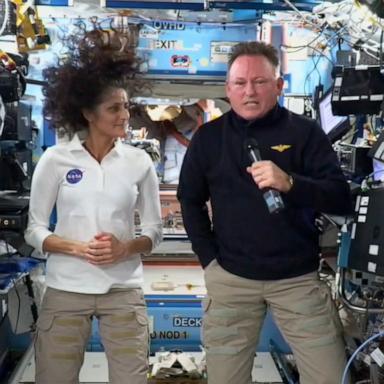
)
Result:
{"points": [[235, 308], [64, 327]]}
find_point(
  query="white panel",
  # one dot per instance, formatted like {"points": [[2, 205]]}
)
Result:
{"points": [[373, 249]]}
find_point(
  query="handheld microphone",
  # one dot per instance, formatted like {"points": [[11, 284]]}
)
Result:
{"points": [[271, 197]]}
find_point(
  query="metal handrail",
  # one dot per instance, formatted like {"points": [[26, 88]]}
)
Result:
{"points": [[340, 282]]}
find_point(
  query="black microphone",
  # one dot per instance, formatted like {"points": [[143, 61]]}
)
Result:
{"points": [[272, 197]]}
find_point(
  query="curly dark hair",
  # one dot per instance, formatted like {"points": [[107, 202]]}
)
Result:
{"points": [[96, 62]]}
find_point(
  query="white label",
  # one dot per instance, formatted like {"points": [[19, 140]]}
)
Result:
{"points": [[371, 267], [361, 219], [338, 81], [357, 203], [148, 34], [151, 323], [3, 307], [378, 357], [350, 98], [364, 200], [363, 210], [373, 250]]}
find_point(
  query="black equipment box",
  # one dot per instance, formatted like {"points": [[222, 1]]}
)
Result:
{"points": [[13, 212], [13, 221], [357, 90], [367, 235], [11, 88], [354, 160]]}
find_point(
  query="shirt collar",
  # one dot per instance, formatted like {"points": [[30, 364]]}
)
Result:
{"points": [[270, 118], [119, 147], [76, 144]]}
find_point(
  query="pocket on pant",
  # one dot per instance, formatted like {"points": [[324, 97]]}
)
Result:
{"points": [[206, 303], [334, 313], [143, 321], [141, 317], [45, 322]]}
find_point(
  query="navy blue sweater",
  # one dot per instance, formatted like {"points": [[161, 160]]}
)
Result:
{"points": [[243, 236]]}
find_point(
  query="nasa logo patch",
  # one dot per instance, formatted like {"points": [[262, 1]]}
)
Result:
{"points": [[74, 176]]}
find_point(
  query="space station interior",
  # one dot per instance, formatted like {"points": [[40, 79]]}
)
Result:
{"points": [[332, 64]]}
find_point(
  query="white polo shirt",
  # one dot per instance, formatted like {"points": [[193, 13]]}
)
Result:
{"points": [[93, 197]]}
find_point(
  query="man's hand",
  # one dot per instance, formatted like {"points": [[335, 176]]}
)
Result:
{"points": [[267, 174], [105, 248]]}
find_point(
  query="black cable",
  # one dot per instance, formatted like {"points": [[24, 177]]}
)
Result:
{"points": [[323, 54], [313, 69], [300, 47], [3, 318], [381, 51], [317, 70], [31, 294], [19, 306], [339, 42]]}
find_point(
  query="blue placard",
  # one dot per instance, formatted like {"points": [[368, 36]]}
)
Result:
{"points": [[142, 4], [177, 321], [189, 51], [306, 5], [58, 3]]}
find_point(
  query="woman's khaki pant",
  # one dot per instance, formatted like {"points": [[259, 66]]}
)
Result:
{"points": [[235, 308], [64, 327]]}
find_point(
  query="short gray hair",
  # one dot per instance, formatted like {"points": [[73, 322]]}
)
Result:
{"points": [[255, 48]]}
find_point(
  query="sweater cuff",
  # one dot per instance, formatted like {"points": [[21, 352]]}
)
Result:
{"points": [[36, 239], [205, 253], [155, 235], [301, 192]]}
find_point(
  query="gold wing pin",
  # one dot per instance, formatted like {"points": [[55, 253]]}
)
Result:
{"points": [[281, 147]]}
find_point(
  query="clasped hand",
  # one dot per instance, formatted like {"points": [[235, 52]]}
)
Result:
{"points": [[105, 248]]}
